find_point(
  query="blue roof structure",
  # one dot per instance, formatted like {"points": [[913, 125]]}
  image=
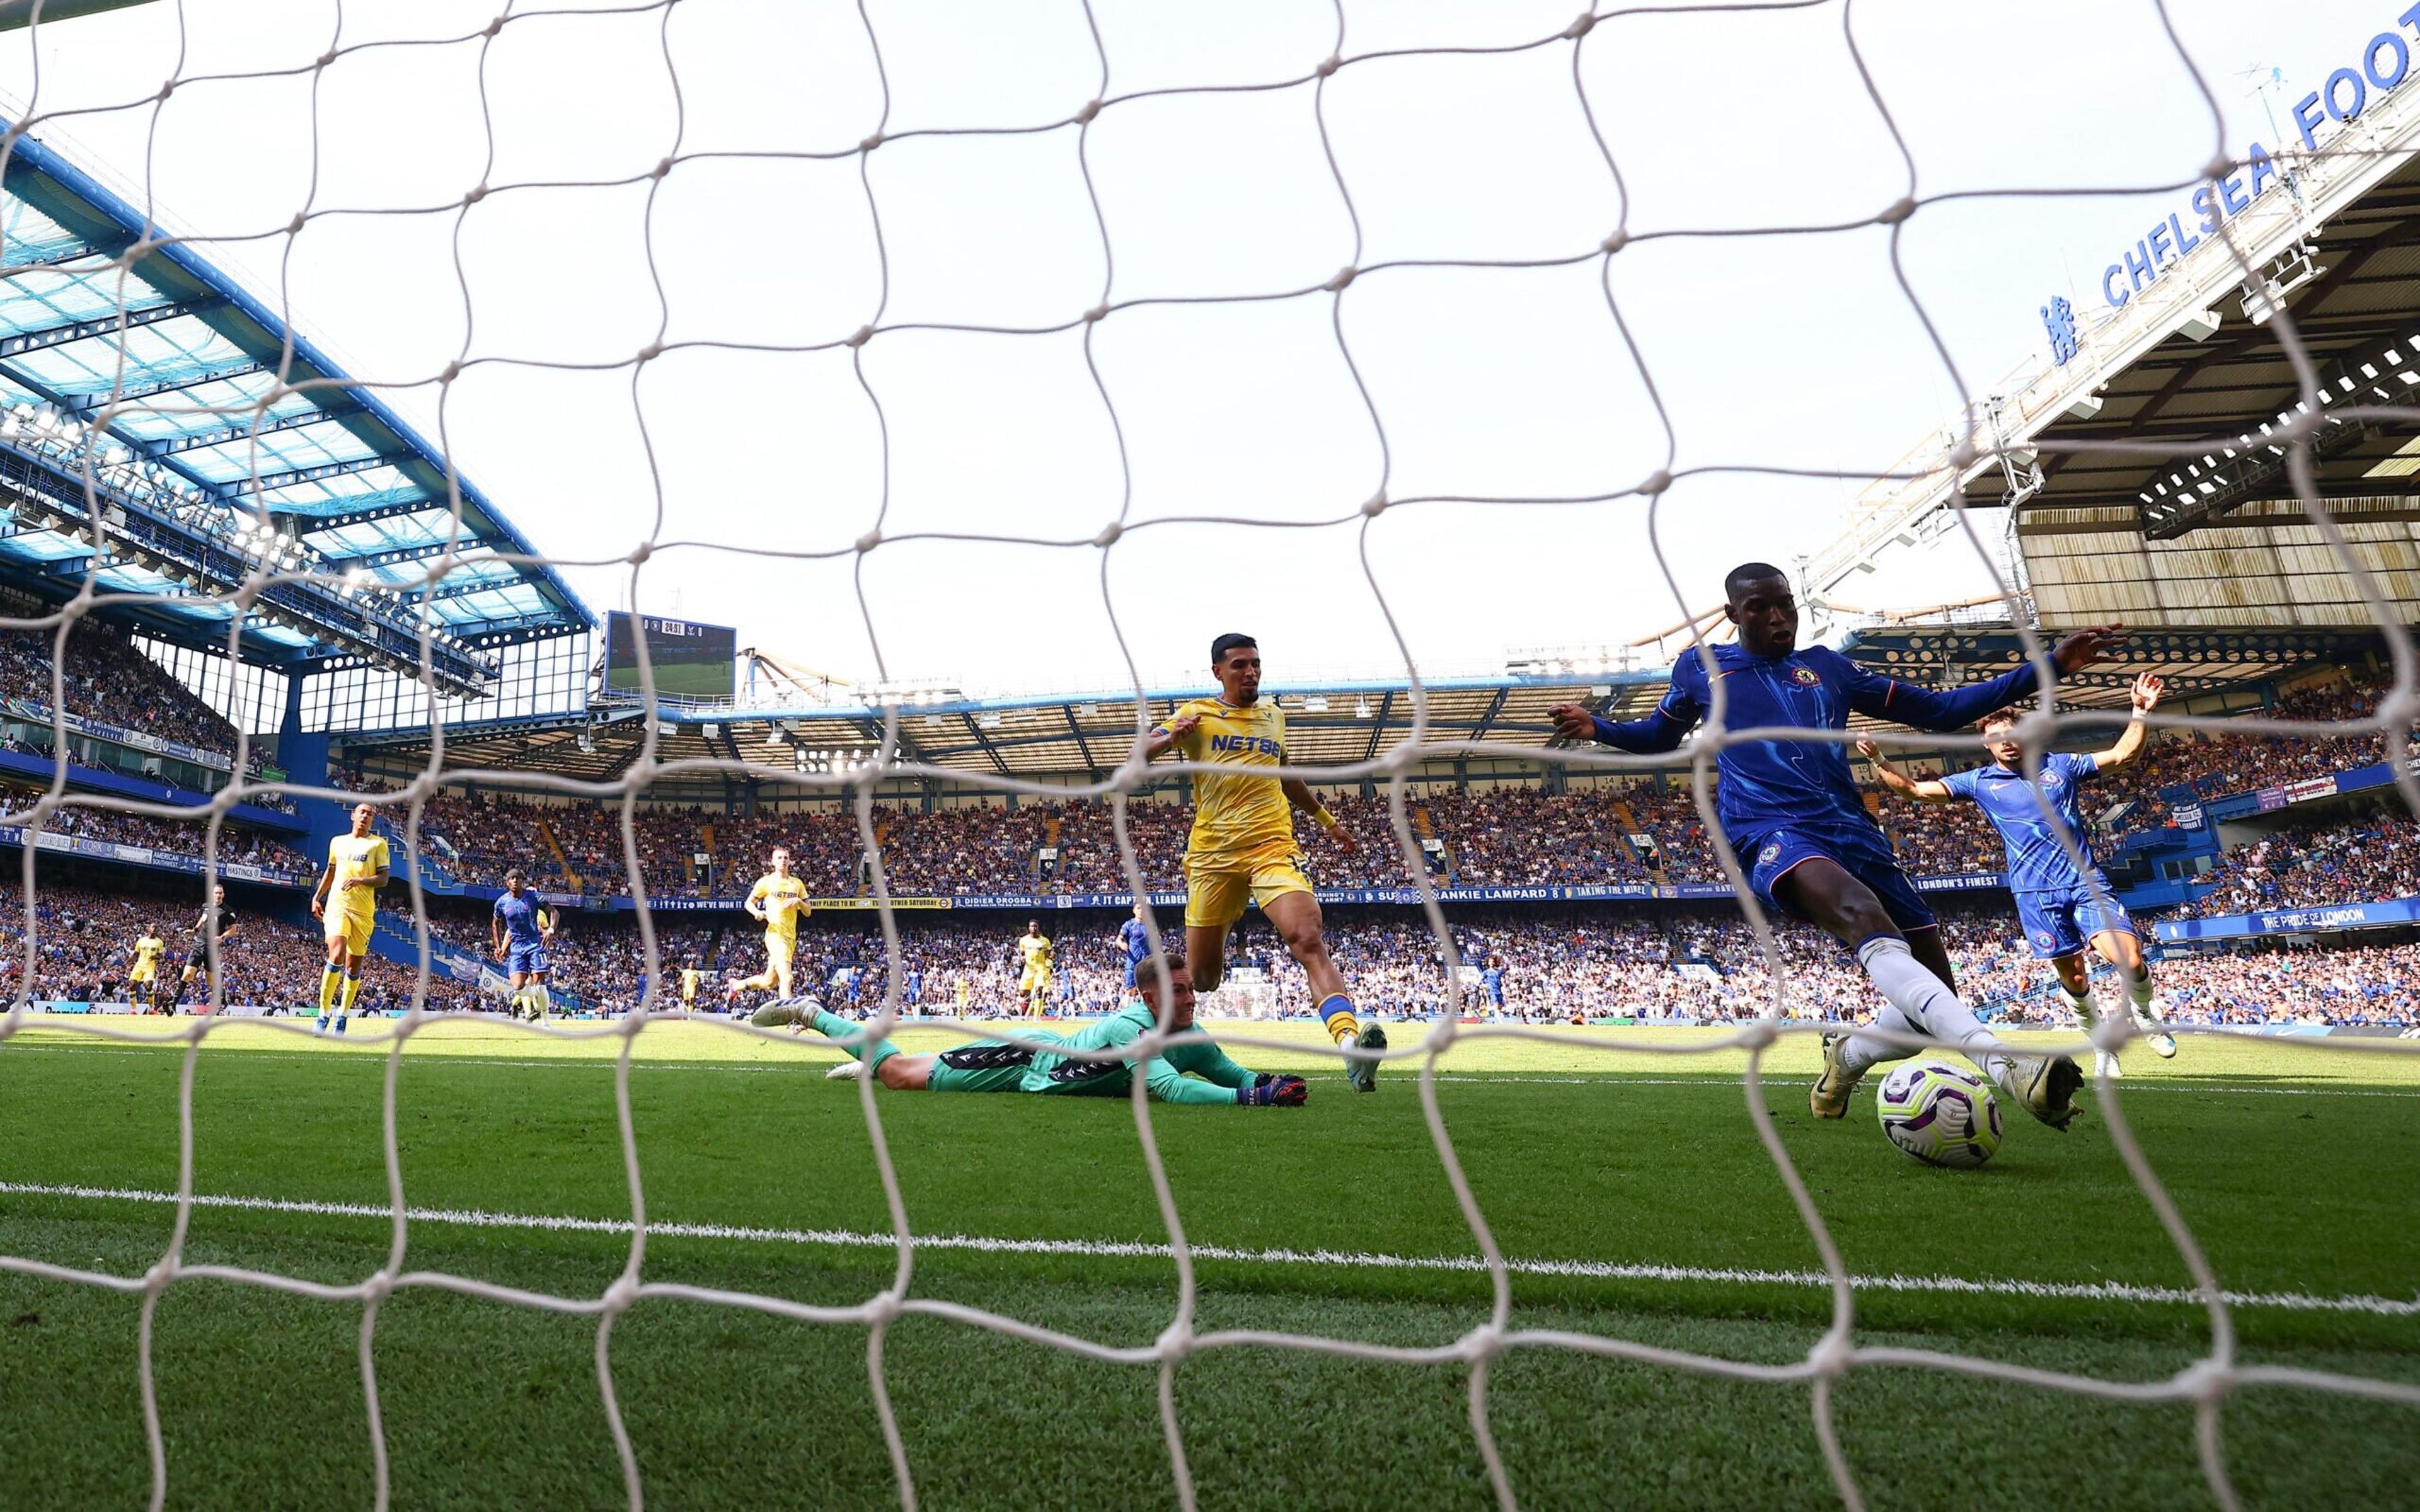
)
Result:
{"points": [[136, 378]]}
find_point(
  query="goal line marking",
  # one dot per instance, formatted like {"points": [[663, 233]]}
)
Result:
{"points": [[1358, 1260]]}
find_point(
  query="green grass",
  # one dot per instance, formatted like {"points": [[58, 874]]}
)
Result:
{"points": [[2296, 1166]]}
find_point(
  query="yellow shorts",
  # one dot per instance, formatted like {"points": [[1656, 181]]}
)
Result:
{"points": [[1217, 886], [781, 949], [1032, 982], [349, 927], [141, 974]]}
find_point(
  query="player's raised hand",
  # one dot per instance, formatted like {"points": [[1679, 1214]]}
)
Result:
{"points": [[1866, 748], [1573, 722], [1182, 726], [2085, 647], [2145, 695], [1269, 1091]]}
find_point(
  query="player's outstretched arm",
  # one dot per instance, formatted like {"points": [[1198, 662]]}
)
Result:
{"points": [[2145, 696], [1923, 790], [1924, 708], [1662, 730], [1298, 792]]}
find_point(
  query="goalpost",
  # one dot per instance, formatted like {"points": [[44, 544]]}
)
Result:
{"points": [[1359, 496]]}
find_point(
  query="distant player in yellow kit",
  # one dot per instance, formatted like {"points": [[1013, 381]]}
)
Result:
{"points": [[779, 901], [144, 972], [346, 905], [1242, 848], [1034, 987]]}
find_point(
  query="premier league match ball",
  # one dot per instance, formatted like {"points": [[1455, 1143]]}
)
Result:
{"points": [[1940, 1112]]}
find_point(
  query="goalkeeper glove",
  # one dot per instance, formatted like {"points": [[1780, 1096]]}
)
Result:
{"points": [[1268, 1090]]}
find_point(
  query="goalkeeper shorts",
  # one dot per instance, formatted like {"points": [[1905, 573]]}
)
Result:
{"points": [[1216, 888]]}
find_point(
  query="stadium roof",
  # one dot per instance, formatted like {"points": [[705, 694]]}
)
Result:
{"points": [[1332, 724], [198, 414], [2206, 530]]}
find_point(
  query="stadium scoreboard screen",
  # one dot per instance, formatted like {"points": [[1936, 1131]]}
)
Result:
{"points": [[691, 660]]}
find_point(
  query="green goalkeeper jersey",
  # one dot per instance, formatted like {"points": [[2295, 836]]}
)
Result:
{"points": [[1164, 1076]]}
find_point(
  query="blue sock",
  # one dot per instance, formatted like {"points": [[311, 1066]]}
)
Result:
{"points": [[831, 1024], [1336, 1012]]}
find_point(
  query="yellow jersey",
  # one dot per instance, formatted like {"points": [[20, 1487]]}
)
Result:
{"points": [[784, 900], [1247, 812], [353, 857], [689, 978], [146, 951], [1037, 952]]}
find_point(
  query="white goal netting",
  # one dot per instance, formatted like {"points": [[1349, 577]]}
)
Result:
{"points": [[904, 272]]}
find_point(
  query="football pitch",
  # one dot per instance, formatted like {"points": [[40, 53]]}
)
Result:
{"points": [[1628, 1190]]}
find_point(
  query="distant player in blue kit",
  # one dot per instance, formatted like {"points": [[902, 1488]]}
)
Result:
{"points": [[1134, 938], [2059, 906], [1491, 976], [1793, 813], [520, 930], [915, 993]]}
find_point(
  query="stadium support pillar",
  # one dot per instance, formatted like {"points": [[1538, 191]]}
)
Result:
{"points": [[303, 754]]}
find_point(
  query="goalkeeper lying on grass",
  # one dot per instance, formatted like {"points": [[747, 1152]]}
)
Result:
{"points": [[1000, 1066]]}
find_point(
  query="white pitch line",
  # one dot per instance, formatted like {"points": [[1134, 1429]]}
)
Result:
{"points": [[986, 1244]]}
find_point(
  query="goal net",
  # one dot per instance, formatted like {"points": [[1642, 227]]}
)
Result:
{"points": [[1085, 327]]}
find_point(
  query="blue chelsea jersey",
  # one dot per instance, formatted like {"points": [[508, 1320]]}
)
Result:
{"points": [[519, 918], [2037, 859], [1136, 940]]}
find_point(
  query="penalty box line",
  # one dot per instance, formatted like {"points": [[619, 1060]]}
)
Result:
{"points": [[1350, 1260]]}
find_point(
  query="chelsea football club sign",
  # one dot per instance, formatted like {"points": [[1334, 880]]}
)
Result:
{"points": [[2382, 67]]}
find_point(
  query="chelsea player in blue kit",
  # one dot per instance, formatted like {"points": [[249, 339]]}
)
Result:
{"points": [[1793, 813], [518, 930], [2061, 906], [1134, 938]]}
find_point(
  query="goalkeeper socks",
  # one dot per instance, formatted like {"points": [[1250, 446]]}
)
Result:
{"points": [[832, 1025], [1926, 1002], [1336, 1012], [328, 982]]}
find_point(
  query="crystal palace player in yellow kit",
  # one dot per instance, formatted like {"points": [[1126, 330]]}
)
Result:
{"points": [[1242, 848], [779, 901], [346, 905]]}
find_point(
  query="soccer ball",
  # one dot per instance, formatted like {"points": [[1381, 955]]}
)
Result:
{"points": [[1940, 1112]]}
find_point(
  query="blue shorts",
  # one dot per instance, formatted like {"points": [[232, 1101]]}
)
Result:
{"points": [[1859, 850], [521, 959], [2060, 921]]}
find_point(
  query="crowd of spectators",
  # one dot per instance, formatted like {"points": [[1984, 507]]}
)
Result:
{"points": [[1646, 962], [107, 679], [2324, 860], [180, 837]]}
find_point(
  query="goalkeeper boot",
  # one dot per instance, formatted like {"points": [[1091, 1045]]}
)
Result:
{"points": [[2046, 1085], [1363, 1070], [1829, 1097]]}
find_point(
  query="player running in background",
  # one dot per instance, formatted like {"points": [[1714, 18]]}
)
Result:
{"points": [[1033, 986], [144, 972], [1134, 941], [1791, 811], [778, 900], [217, 922], [1242, 848], [690, 977], [520, 931], [1491, 978], [1000, 1066], [2059, 906], [346, 904]]}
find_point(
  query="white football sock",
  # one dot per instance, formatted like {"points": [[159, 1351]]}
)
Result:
{"points": [[1928, 1003], [2140, 991], [1861, 1054], [2082, 1003]]}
